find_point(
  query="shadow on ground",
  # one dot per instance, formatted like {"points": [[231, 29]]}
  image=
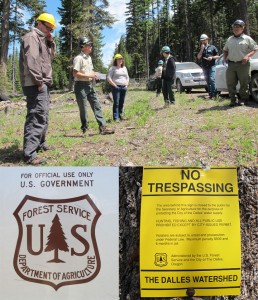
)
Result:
{"points": [[251, 103], [11, 156]]}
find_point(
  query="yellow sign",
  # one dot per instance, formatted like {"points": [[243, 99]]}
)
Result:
{"points": [[190, 232]]}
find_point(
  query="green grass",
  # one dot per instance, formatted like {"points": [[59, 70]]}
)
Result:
{"points": [[121, 142], [248, 151], [140, 110]]}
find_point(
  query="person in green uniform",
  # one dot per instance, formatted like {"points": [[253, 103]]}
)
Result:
{"points": [[237, 51]]}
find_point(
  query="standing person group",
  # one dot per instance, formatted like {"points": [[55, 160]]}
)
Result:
{"points": [[168, 76], [237, 51], [37, 51], [119, 79], [208, 55], [84, 76]]}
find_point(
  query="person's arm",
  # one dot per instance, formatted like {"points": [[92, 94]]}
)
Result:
{"points": [[225, 57], [199, 55], [127, 77], [109, 77], [212, 57], [79, 74], [248, 56], [51, 45], [254, 48], [33, 59]]}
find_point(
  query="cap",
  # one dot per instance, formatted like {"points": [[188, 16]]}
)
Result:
{"points": [[239, 22], [160, 62]]}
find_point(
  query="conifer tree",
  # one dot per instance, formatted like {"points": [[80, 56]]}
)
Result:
{"points": [[83, 18], [56, 240]]}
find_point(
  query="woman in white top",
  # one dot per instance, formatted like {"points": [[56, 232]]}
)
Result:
{"points": [[119, 79]]}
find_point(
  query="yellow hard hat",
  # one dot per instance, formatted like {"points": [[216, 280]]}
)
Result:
{"points": [[117, 56], [47, 18]]}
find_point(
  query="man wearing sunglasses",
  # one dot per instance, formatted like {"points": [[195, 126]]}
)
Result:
{"points": [[37, 51]]}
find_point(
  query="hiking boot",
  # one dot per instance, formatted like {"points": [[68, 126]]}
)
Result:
{"points": [[47, 148], [36, 161], [104, 130], [84, 130], [232, 103], [244, 102]]}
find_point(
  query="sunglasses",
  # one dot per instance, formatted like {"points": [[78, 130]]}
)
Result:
{"points": [[48, 27]]}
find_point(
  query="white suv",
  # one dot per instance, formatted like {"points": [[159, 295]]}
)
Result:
{"points": [[220, 77], [189, 76]]}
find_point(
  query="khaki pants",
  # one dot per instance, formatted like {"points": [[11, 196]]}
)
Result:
{"points": [[238, 72], [85, 92]]}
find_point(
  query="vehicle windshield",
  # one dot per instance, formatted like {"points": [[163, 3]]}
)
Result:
{"points": [[186, 66]]}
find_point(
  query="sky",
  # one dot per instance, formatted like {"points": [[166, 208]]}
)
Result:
{"points": [[111, 36]]}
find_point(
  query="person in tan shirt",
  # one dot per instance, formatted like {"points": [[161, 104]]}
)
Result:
{"points": [[84, 75], [237, 51]]}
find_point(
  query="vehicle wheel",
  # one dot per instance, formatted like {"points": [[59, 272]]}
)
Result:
{"points": [[179, 87], [254, 87]]}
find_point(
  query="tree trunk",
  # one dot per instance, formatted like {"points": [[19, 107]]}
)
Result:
{"points": [[188, 32], [147, 42], [4, 42], [130, 204], [71, 56], [244, 15]]}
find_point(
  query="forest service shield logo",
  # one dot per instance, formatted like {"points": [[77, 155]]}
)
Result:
{"points": [[57, 243], [161, 259]]}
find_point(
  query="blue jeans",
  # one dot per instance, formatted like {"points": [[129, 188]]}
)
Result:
{"points": [[118, 93], [209, 74]]}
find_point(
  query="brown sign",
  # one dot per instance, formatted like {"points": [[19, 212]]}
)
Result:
{"points": [[57, 243]]}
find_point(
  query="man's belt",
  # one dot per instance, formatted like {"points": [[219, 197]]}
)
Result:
{"points": [[231, 61], [84, 82]]}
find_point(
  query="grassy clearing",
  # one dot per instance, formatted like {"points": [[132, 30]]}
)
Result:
{"points": [[193, 132]]}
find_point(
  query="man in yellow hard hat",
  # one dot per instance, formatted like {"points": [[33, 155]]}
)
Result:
{"points": [[37, 51]]}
